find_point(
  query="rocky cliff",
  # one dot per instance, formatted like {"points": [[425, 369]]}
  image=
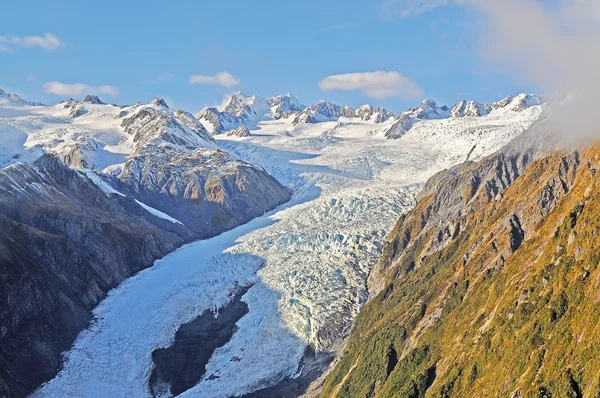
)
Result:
{"points": [[489, 287]]}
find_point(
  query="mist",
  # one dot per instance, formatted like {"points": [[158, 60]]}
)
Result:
{"points": [[553, 44]]}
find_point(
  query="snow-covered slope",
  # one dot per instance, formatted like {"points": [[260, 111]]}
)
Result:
{"points": [[15, 100], [92, 134], [241, 109], [307, 262], [429, 110]]}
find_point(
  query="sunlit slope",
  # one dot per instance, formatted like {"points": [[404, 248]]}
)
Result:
{"points": [[500, 298]]}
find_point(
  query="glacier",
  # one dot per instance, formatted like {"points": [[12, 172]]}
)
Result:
{"points": [[307, 261]]}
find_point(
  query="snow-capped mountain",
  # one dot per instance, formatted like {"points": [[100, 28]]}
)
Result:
{"points": [[7, 99], [429, 110], [241, 131], [156, 177], [241, 109], [323, 111], [283, 106], [470, 108]]}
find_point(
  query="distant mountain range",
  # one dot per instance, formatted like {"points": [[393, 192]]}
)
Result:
{"points": [[241, 109]]}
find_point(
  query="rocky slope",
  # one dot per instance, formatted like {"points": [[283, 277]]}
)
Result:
{"points": [[241, 109], [489, 287], [64, 243], [208, 190], [70, 232]]}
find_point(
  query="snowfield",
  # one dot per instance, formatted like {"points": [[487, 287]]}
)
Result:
{"points": [[307, 261]]}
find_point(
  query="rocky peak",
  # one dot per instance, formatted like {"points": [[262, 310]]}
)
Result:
{"points": [[93, 99], [377, 115], [518, 102], [470, 108], [247, 107], [241, 131], [160, 125], [14, 99], [284, 105], [399, 128], [428, 109], [159, 102]]}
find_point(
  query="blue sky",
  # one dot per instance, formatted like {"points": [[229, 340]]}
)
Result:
{"points": [[151, 48]]}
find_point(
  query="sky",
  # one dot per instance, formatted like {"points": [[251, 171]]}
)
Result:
{"points": [[391, 53]]}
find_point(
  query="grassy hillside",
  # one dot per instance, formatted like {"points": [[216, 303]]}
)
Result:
{"points": [[503, 300]]}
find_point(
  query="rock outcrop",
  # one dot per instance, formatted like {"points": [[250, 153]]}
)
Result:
{"points": [[241, 131]]}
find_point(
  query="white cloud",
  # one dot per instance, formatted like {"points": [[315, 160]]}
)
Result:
{"points": [[48, 42], [30, 77], [77, 89], [379, 85], [224, 79], [391, 9], [550, 45]]}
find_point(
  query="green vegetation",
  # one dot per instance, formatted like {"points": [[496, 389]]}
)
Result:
{"points": [[474, 319]]}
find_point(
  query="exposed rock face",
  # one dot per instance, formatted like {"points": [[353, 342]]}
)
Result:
{"points": [[63, 245], [159, 102], [428, 109], [181, 366], [241, 131], [283, 106], [150, 126], [217, 122], [377, 115], [470, 108], [208, 190], [323, 111], [399, 128], [93, 99], [489, 287], [14, 99]]}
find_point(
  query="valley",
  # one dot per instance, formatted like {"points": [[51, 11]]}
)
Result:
{"points": [[306, 263]]}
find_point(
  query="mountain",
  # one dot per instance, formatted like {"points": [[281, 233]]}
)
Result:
{"points": [[248, 110], [465, 108], [489, 286], [241, 109], [283, 106], [91, 194], [429, 110], [367, 112], [241, 131], [14, 99]]}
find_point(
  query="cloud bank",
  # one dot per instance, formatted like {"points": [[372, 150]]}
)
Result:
{"points": [[78, 89], [379, 85], [224, 79], [553, 45], [48, 42]]}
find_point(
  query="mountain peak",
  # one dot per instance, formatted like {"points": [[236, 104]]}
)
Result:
{"points": [[159, 102], [93, 99]]}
